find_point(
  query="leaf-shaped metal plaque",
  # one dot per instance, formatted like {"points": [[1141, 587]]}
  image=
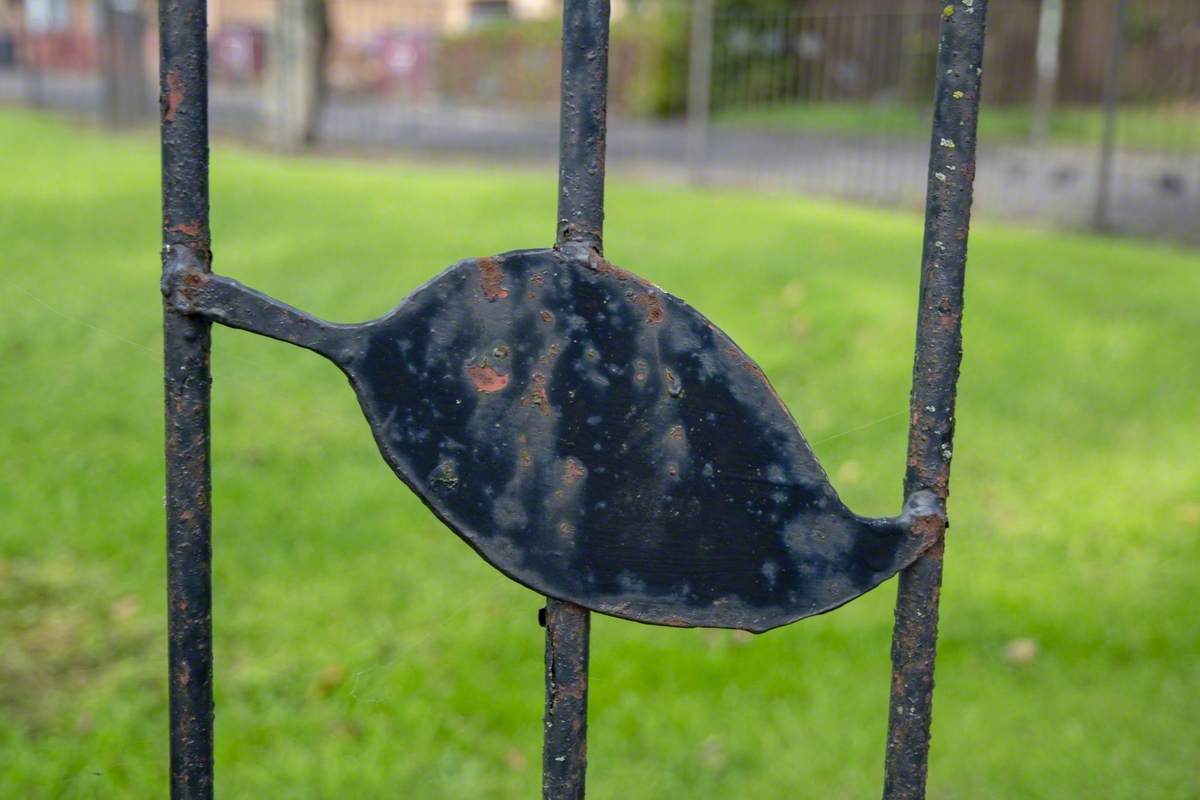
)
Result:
{"points": [[597, 440]]}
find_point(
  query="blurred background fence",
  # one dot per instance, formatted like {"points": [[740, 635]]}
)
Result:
{"points": [[1092, 107]]}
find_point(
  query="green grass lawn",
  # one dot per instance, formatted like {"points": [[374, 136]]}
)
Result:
{"points": [[364, 651], [1174, 129]]}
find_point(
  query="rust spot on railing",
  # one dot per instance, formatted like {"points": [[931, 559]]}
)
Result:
{"points": [[193, 228], [175, 94], [930, 529]]}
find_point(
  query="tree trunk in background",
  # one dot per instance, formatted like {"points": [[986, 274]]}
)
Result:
{"points": [[296, 71], [126, 81]]}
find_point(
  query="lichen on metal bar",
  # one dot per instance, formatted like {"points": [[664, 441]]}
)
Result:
{"points": [[935, 377]]}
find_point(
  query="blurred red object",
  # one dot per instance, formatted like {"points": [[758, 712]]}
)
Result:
{"points": [[238, 53]]}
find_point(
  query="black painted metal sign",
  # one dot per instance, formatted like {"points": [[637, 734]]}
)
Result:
{"points": [[589, 435]]}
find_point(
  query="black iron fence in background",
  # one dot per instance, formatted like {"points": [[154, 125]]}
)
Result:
{"points": [[1091, 119], [1091, 110]]}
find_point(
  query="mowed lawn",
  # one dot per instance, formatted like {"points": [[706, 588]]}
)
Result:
{"points": [[364, 651]]}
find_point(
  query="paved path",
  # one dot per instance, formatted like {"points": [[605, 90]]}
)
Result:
{"points": [[1152, 193]]}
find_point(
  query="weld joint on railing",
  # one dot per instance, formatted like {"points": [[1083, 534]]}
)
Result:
{"points": [[185, 273], [921, 504], [581, 248], [924, 515]]}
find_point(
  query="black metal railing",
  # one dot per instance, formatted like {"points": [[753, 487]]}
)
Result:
{"points": [[186, 247], [935, 378], [656, 560]]}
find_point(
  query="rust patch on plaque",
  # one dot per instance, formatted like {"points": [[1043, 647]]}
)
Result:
{"points": [[538, 397], [652, 305], [491, 279], [486, 379], [573, 471]]}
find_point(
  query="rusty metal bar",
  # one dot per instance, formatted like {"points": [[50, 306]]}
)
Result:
{"points": [[183, 86], [582, 122], [581, 152], [935, 375], [564, 752]]}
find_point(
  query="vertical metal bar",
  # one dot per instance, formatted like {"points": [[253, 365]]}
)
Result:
{"points": [[583, 122], [564, 751], [699, 97], [581, 151], [1112, 100], [183, 84], [935, 375]]}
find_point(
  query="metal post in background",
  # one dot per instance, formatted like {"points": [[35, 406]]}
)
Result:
{"points": [[699, 96], [1047, 57], [1112, 98], [935, 377], [183, 84]]}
